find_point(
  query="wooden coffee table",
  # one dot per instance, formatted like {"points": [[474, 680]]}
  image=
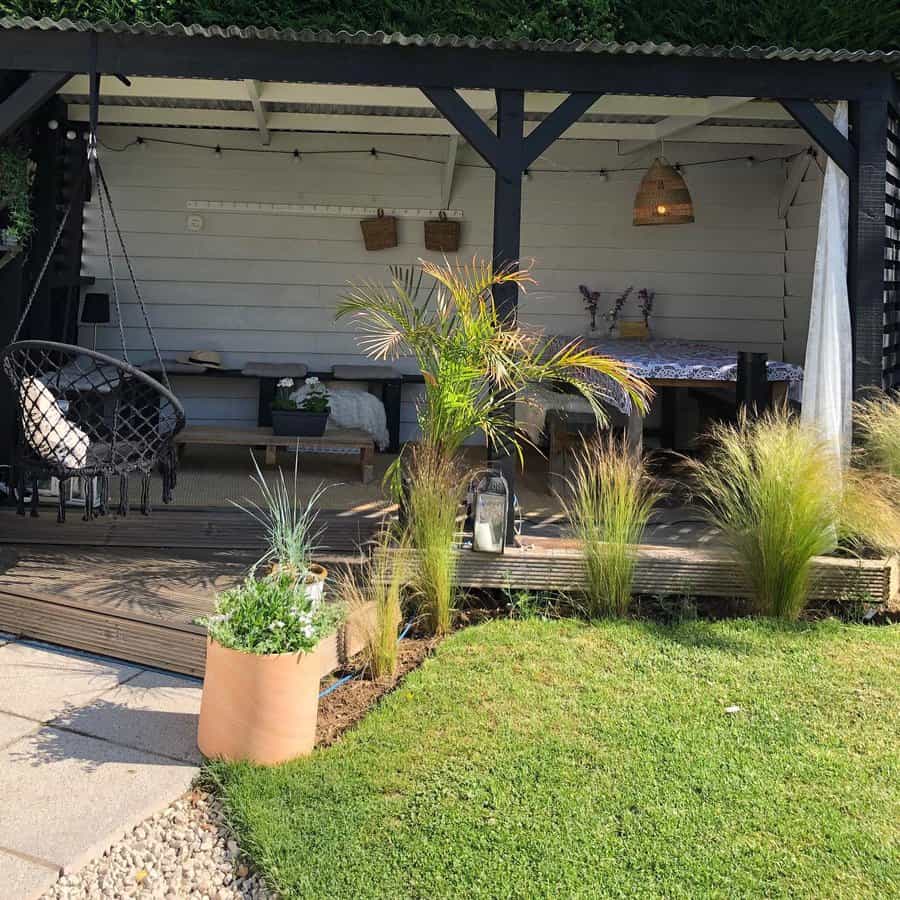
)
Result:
{"points": [[338, 439]]}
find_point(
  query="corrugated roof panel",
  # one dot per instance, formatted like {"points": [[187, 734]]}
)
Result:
{"points": [[381, 38]]}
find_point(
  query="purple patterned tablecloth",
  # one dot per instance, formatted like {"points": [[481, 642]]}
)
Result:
{"points": [[678, 360]]}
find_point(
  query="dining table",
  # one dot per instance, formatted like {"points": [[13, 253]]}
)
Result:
{"points": [[667, 363]]}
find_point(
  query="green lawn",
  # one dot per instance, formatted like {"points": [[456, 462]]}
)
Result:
{"points": [[560, 759]]}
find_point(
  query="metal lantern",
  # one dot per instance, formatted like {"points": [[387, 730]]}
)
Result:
{"points": [[490, 508], [663, 197]]}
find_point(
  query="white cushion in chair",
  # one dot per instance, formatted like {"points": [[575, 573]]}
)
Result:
{"points": [[48, 431]]}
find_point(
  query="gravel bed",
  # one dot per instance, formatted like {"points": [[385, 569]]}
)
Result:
{"points": [[185, 851]]}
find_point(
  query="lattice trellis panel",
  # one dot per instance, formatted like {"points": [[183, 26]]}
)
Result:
{"points": [[892, 257]]}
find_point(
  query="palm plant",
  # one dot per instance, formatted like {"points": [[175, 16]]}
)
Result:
{"points": [[475, 362], [611, 497]]}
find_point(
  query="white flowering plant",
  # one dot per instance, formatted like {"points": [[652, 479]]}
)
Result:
{"points": [[316, 399], [274, 614], [283, 398]]}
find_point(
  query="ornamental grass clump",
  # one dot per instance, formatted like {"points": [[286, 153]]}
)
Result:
{"points": [[771, 487], [290, 526], [373, 599], [275, 614], [611, 497], [877, 421], [435, 491]]}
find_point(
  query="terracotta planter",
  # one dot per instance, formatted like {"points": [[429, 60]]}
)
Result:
{"points": [[258, 708]]}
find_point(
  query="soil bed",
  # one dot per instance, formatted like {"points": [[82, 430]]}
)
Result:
{"points": [[349, 703]]}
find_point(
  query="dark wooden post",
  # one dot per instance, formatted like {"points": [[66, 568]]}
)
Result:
{"points": [[508, 153], [752, 382], [507, 243], [867, 241], [508, 194]]}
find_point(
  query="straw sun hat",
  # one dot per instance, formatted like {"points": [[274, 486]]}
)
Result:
{"points": [[208, 359]]}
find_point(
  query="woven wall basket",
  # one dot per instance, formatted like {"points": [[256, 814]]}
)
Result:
{"points": [[663, 198], [379, 233], [441, 234]]}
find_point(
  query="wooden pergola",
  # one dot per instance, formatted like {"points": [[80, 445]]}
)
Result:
{"points": [[38, 58]]}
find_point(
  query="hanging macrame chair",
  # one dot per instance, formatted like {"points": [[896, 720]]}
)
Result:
{"points": [[83, 414]]}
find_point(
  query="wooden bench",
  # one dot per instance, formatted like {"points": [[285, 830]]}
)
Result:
{"points": [[338, 439]]}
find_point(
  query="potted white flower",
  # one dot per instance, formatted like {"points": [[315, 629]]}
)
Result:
{"points": [[261, 687], [304, 412]]}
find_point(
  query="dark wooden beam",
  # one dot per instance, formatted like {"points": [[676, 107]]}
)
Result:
{"points": [[461, 67], [28, 97], [506, 244], [508, 193], [867, 242], [820, 129], [466, 121], [552, 127]]}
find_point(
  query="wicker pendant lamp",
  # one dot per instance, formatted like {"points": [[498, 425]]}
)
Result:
{"points": [[663, 198]]}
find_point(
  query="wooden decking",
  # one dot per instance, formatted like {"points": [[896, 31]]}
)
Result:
{"points": [[133, 587]]}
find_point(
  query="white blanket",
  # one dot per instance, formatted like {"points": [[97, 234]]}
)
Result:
{"points": [[48, 431], [353, 407]]}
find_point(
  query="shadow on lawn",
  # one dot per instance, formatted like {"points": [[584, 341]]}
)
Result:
{"points": [[702, 635]]}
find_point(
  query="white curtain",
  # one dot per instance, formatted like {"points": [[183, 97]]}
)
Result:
{"points": [[828, 372]]}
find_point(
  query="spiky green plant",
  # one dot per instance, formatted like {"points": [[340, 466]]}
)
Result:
{"points": [[289, 525], [869, 515], [475, 362], [435, 491], [877, 421], [374, 602], [610, 499], [771, 487]]}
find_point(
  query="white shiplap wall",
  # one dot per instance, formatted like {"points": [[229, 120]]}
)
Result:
{"points": [[262, 286]]}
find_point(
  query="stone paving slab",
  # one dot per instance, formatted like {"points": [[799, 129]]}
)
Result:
{"points": [[22, 879], [42, 682], [79, 794], [154, 712], [14, 727]]}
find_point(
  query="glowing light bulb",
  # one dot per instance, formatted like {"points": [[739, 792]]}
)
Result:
{"points": [[53, 124], [70, 135], [661, 210]]}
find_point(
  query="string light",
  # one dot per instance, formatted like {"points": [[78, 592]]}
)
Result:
{"points": [[53, 124], [602, 174]]}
